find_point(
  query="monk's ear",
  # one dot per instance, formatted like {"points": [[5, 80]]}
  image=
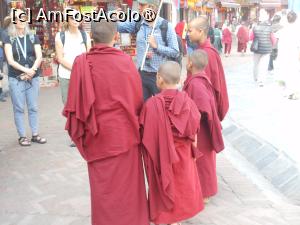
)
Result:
{"points": [[116, 37]]}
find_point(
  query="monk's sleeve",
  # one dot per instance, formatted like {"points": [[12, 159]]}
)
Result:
{"points": [[217, 77], [79, 109], [159, 154], [207, 108]]}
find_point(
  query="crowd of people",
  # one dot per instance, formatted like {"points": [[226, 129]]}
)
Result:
{"points": [[121, 115]]}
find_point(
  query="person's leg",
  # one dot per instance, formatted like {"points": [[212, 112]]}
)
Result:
{"points": [[1, 78], [18, 100], [229, 48], [256, 59], [263, 67], [270, 66], [32, 94], [144, 82], [152, 84], [64, 86]]}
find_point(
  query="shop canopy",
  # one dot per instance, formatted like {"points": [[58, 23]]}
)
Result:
{"points": [[229, 4], [273, 3]]}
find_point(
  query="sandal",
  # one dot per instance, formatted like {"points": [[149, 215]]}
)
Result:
{"points": [[38, 139], [23, 141], [293, 96]]}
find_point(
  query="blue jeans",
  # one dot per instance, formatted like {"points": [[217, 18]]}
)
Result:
{"points": [[22, 92]]}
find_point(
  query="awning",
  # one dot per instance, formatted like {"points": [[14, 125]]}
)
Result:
{"points": [[230, 4], [272, 3]]}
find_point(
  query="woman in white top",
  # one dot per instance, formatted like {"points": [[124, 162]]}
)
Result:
{"points": [[72, 45]]}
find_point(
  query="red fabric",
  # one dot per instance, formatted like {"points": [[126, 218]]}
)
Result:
{"points": [[129, 2], [103, 103], [209, 137], [118, 192], [170, 121], [215, 73], [201, 91], [242, 47], [227, 49], [179, 28], [243, 34], [226, 36], [102, 109]]}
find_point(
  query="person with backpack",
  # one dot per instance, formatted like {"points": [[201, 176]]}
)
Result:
{"points": [[24, 56], [263, 40], [68, 44], [163, 45], [2, 99]]}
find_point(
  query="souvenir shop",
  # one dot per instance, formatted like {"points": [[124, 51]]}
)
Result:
{"points": [[46, 31]]}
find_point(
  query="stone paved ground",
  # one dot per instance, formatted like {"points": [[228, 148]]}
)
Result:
{"points": [[48, 184], [263, 111]]}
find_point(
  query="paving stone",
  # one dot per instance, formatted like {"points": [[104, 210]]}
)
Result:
{"points": [[48, 184], [246, 144], [263, 162]]}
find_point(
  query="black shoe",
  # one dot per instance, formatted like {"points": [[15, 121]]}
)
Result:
{"points": [[72, 145], [2, 99]]}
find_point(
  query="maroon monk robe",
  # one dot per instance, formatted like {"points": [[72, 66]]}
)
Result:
{"points": [[170, 121], [209, 137], [215, 73], [104, 101], [243, 38]]}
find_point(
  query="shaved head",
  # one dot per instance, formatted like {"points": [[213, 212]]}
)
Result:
{"points": [[170, 71], [199, 59], [200, 23], [104, 31]]}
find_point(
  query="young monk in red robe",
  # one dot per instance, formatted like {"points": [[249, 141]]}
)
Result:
{"points": [[170, 121], [104, 102], [197, 31], [210, 140]]}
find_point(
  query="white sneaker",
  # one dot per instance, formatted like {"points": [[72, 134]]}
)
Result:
{"points": [[260, 83]]}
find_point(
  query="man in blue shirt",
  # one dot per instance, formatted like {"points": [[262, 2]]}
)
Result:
{"points": [[158, 52]]}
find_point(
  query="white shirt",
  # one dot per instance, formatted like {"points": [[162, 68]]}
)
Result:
{"points": [[72, 48]]}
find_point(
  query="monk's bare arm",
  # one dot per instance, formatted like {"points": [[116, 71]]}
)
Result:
{"points": [[59, 49], [88, 43], [195, 144]]}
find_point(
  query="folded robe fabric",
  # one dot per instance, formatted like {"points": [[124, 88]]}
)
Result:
{"points": [[215, 73], [165, 116], [103, 103], [200, 90]]}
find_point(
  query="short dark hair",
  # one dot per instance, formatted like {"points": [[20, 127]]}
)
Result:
{"points": [[170, 71], [199, 59], [291, 17], [276, 19], [103, 31]]}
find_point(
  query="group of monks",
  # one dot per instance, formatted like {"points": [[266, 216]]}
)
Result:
{"points": [[174, 136]]}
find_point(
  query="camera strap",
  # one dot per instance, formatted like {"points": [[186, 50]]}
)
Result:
{"points": [[23, 50]]}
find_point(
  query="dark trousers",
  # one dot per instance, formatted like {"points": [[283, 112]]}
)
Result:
{"points": [[271, 64], [149, 84]]}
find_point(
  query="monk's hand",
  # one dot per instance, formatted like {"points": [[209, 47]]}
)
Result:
{"points": [[152, 42]]}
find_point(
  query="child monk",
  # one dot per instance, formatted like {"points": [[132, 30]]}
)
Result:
{"points": [[209, 137], [170, 121]]}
